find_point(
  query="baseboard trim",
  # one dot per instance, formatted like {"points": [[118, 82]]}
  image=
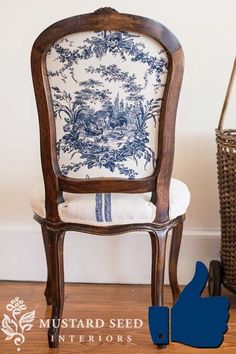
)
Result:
{"points": [[99, 260]]}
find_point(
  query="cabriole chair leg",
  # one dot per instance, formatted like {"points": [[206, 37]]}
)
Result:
{"points": [[56, 239], [158, 239], [173, 260], [47, 247]]}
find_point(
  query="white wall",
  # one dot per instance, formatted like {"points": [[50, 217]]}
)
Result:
{"points": [[207, 31]]}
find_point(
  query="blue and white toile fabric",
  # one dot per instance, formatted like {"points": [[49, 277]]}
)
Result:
{"points": [[107, 90]]}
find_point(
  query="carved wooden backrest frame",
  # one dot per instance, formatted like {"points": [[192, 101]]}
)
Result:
{"points": [[55, 182]]}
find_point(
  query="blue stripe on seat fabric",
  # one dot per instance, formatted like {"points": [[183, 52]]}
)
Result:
{"points": [[98, 207], [108, 206]]}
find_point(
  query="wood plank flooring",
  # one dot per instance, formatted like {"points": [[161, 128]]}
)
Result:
{"points": [[90, 301]]}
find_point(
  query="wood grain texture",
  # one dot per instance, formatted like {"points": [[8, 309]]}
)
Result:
{"points": [[158, 240], [173, 259], [107, 185], [105, 302]]}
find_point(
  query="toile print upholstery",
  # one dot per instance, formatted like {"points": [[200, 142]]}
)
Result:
{"points": [[107, 90]]}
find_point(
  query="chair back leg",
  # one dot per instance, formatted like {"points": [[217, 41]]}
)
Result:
{"points": [[158, 240], [56, 283], [173, 260], [47, 247]]}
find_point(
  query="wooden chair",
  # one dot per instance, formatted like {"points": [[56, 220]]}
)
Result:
{"points": [[107, 87]]}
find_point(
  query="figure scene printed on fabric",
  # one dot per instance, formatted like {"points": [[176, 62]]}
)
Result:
{"points": [[107, 90]]}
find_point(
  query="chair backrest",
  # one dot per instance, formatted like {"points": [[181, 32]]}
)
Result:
{"points": [[107, 87]]}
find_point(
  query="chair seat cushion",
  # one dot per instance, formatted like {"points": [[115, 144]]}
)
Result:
{"points": [[104, 209]]}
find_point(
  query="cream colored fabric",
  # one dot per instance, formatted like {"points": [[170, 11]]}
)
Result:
{"points": [[112, 209]]}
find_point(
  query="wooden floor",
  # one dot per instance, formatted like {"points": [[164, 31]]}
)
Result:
{"points": [[102, 302]]}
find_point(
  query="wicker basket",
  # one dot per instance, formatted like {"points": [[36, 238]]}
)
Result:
{"points": [[226, 165]]}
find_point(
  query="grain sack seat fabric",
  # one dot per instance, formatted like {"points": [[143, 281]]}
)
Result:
{"points": [[104, 209]]}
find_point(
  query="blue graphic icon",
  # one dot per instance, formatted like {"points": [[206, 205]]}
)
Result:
{"points": [[195, 321], [158, 318]]}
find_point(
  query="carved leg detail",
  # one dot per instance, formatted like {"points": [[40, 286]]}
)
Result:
{"points": [[158, 239], [57, 284], [47, 246], [173, 260]]}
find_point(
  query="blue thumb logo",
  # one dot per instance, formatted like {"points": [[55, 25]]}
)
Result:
{"points": [[195, 321]]}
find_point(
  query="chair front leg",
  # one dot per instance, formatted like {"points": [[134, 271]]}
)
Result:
{"points": [[158, 239], [47, 247], [56, 238], [173, 260]]}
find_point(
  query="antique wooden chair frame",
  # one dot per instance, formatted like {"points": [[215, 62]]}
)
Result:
{"points": [[53, 229]]}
